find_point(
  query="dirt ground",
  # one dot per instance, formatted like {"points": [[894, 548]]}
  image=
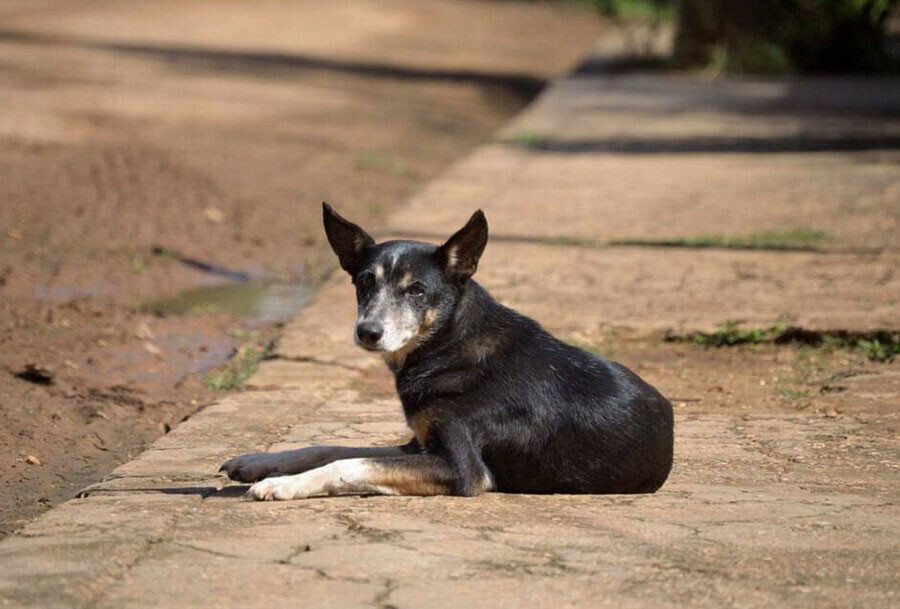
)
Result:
{"points": [[137, 136]]}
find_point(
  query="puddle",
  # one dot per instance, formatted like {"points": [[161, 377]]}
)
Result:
{"points": [[258, 301]]}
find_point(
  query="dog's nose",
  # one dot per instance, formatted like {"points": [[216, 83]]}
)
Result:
{"points": [[369, 333]]}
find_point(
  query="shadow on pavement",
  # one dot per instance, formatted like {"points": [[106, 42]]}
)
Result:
{"points": [[712, 144], [656, 91], [522, 85], [207, 492]]}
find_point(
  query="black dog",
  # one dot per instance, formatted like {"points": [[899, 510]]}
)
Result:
{"points": [[494, 401]]}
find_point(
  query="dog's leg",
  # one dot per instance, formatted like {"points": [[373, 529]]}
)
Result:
{"points": [[407, 475], [453, 466], [256, 466]]}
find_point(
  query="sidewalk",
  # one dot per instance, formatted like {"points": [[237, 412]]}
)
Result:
{"points": [[764, 507]]}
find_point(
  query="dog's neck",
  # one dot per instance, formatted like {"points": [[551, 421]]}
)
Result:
{"points": [[396, 359]]}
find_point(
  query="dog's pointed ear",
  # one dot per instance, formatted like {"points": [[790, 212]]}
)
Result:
{"points": [[459, 255], [347, 239]]}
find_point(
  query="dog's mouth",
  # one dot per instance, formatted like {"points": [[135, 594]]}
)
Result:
{"points": [[373, 348], [379, 347]]}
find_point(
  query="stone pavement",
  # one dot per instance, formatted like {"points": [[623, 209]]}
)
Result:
{"points": [[762, 509]]}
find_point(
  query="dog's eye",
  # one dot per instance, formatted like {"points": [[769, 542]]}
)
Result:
{"points": [[416, 289], [365, 282]]}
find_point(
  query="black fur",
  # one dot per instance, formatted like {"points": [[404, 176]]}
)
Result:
{"points": [[498, 393], [544, 416]]}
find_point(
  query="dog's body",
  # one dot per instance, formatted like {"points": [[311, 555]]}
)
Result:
{"points": [[494, 401]]}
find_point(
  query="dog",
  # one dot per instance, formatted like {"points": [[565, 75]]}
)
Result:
{"points": [[494, 402]]}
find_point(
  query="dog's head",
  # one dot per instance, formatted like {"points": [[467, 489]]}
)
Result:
{"points": [[405, 290]]}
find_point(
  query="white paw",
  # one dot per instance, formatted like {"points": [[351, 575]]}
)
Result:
{"points": [[281, 488], [348, 475]]}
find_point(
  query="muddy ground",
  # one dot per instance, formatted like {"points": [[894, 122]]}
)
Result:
{"points": [[149, 148]]}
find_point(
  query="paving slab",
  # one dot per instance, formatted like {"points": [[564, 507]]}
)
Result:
{"points": [[645, 290], [762, 509]]}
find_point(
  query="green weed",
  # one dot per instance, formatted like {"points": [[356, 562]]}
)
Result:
{"points": [[529, 139], [879, 351], [880, 346], [759, 58], [793, 239], [368, 159], [567, 240], [731, 333], [789, 393], [138, 264], [237, 370], [789, 239], [637, 10], [242, 334]]}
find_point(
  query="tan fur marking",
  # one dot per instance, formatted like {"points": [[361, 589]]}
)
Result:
{"points": [[407, 279], [429, 318], [395, 359], [420, 423], [410, 483], [379, 272]]}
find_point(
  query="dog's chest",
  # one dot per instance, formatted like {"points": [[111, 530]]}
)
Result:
{"points": [[419, 418], [430, 394], [420, 413]]}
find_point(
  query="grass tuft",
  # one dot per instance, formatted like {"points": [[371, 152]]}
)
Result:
{"points": [[789, 393], [369, 159], [879, 351], [794, 239], [634, 10], [237, 370], [730, 334], [876, 346], [529, 139]]}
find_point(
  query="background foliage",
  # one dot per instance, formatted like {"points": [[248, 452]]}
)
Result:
{"points": [[772, 35]]}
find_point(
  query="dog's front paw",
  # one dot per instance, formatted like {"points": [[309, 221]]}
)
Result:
{"points": [[282, 488], [250, 468]]}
